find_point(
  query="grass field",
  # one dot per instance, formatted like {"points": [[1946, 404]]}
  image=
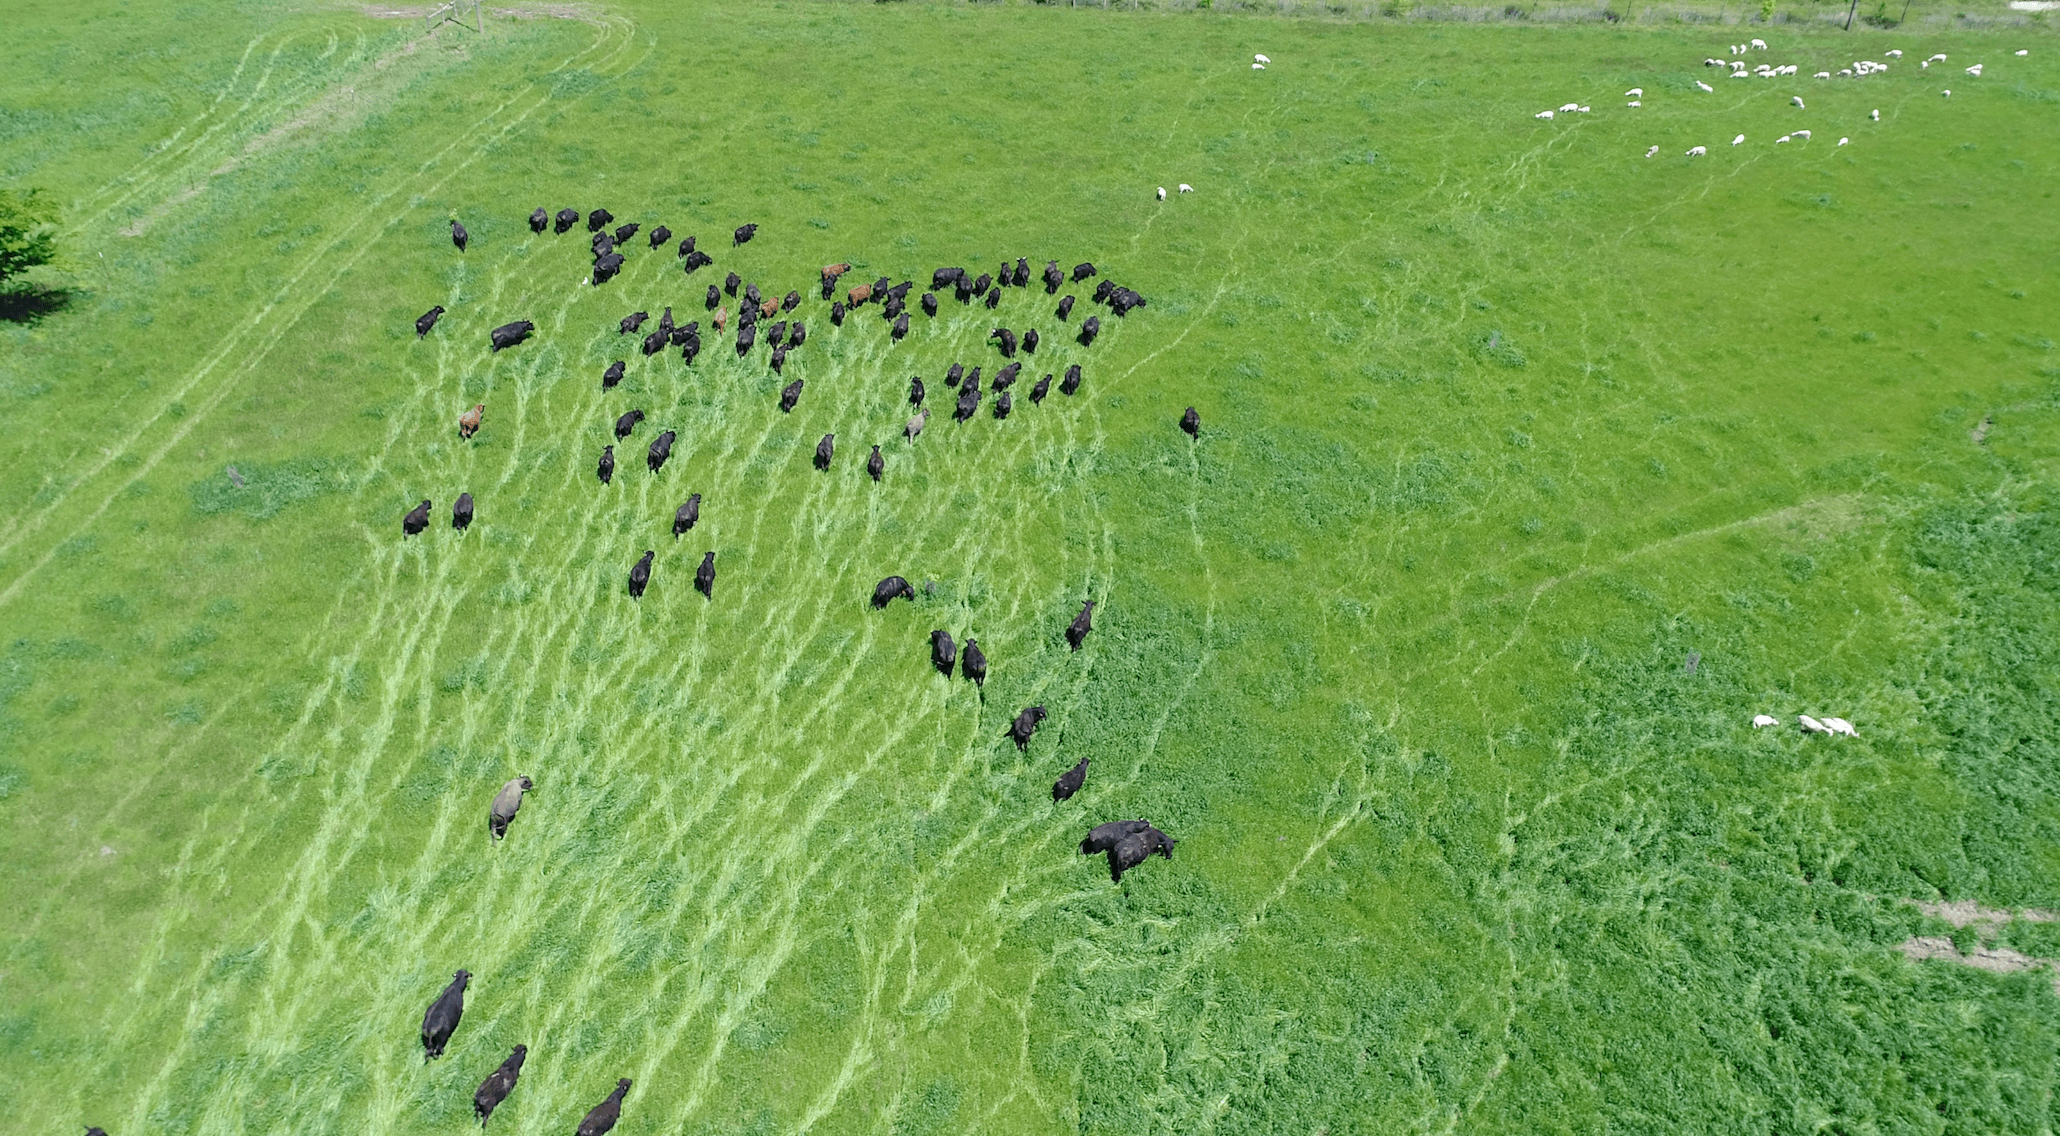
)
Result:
{"points": [[1500, 422]]}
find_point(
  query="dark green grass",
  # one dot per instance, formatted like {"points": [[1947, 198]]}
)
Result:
{"points": [[1501, 421]]}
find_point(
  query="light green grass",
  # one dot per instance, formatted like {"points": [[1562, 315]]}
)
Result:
{"points": [[1501, 420]]}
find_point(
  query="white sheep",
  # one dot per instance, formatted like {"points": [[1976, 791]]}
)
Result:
{"points": [[1811, 725], [1258, 67], [1843, 141], [1939, 58], [1634, 102], [1737, 140], [1975, 70], [1788, 70], [1651, 152], [1741, 74], [1759, 45], [1569, 107], [1823, 75], [1635, 93], [1261, 59], [1162, 193], [1583, 110], [1762, 721], [1698, 151], [1803, 134], [1947, 93], [2024, 53], [1780, 140], [1926, 64], [1186, 188], [1895, 53], [1874, 115], [1544, 114], [1704, 86], [1841, 726], [1797, 100]]}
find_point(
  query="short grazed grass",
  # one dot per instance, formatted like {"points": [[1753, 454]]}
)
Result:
{"points": [[1501, 421]]}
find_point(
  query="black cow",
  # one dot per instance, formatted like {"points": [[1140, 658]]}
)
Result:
{"points": [[900, 328], [778, 361], [510, 334], [597, 219], [1030, 342], [499, 1083], [631, 322], [993, 298], [899, 293], [661, 450], [627, 423], [837, 313], [1025, 725], [538, 221], [1105, 836], [890, 589], [1006, 377], [567, 218], [1082, 271], [968, 402], [1128, 853], [980, 286], [1053, 278], [1102, 291], [747, 334], [1089, 328], [640, 576], [1022, 273], [879, 289], [952, 376], [1007, 339], [1042, 388], [747, 315], [1066, 307], [974, 664], [416, 520], [624, 232], [730, 282], [1069, 782], [686, 246], [427, 320], [962, 290], [946, 277], [1003, 405], [1192, 423], [930, 304], [665, 321], [744, 233], [656, 342], [458, 235], [915, 391], [442, 1019], [798, 334], [876, 465], [790, 396], [606, 470], [697, 260], [604, 1115], [1004, 276], [1076, 631], [603, 244], [714, 297], [790, 301], [612, 375], [690, 348], [893, 308], [1071, 382], [688, 515], [684, 332], [824, 450], [776, 333], [659, 236], [973, 380], [606, 267], [1122, 300], [752, 297], [461, 512], [704, 576], [943, 652]]}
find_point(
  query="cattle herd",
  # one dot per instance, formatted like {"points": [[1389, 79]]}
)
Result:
{"points": [[760, 322]]}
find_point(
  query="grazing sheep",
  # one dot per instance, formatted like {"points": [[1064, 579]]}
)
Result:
{"points": [[1811, 725], [1823, 75], [1633, 103], [1947, 94], [1258, 67], [1762, 721], [1704, 86], [1759, 45], [1635, 93], [1841, 726], [1263, 59], [1186, 188], [1797, 100], [1803, 134], [1974, 71], [1843, 141], [1874, 115], [1780, 140], [1543, 114], [1162, 193], [1698, 151], [1737, 140], [1651, 152]]}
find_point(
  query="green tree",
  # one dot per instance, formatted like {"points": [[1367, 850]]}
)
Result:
{"points": [[28, 232]]}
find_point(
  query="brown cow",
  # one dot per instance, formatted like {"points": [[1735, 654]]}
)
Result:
{"points": [[832, 271], [721, 318], [861, 294], [468, 422]]}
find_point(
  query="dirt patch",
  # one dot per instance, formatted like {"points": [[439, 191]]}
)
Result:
{"points": [[1963, 912], [1987, 921], [578, 12]]}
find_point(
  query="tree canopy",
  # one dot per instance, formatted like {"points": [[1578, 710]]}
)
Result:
{"points": [[28, 232]]}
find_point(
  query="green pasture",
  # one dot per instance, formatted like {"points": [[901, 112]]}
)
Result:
{"points": [[1501, 422]]}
